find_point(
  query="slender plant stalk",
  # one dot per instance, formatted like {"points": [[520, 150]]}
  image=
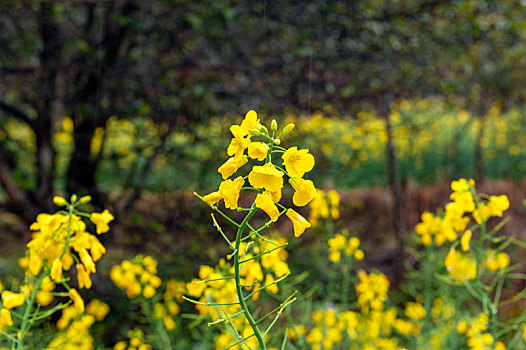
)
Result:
{"points": [[237, 268], [158, 326]]}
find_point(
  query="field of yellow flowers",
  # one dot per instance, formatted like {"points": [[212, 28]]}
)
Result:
{"points": [[276, 264]]}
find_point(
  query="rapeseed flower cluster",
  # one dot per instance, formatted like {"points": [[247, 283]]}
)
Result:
{"points": [[137, 277], [475, 331], [58, 242], [324, 205], [214, 286], [266, 179], [135, 341], [371, 328], [466, 205], [372, 290], [74, 326], [257, 263], [349, 246]]}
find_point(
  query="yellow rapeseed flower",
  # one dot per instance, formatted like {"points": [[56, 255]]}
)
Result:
{"points": [[305, 191], [101, 220], [464, 241], [231, 166], [56, 270], [251, 122], [77, 300], [415, 311], [461, 267], [11, 300], [299, 222], [264, 202], [83, 277], [298, 162], [257, 150], [213, 198], [267, 177], [239, 142], [229, 190], [59, 201], [5, 318], [97, 309]]}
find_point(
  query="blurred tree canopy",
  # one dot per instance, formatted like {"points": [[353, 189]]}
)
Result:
{"points": [[181, 62]]}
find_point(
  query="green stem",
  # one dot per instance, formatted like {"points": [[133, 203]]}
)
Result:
{"points": [[24, 327], [346, 274], [158, 326], [240, 296], [479, 251], [428, 281]]}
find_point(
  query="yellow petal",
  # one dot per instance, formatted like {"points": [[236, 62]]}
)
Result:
{"points": [[299, 222]]}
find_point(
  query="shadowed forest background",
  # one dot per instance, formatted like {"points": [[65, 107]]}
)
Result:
{"points": [[131, 101]]}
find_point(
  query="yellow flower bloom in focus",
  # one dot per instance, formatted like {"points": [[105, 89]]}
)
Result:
{"points": [[267, 177], [213, 198], [305, 191], [77, 300], [299, 222], [229, 190], [231, 166], [239, 143], [464, 241], [101, 220], [298, 162], [251, 122], [264, 202], [11, 300], [257, 150]]}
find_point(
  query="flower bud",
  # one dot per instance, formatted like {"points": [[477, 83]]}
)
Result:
{"points": [[287, 129], [73, 198], [255, 132], [274, 125], [59, 201], [85, 199], [276, 141], [264, 130]]}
